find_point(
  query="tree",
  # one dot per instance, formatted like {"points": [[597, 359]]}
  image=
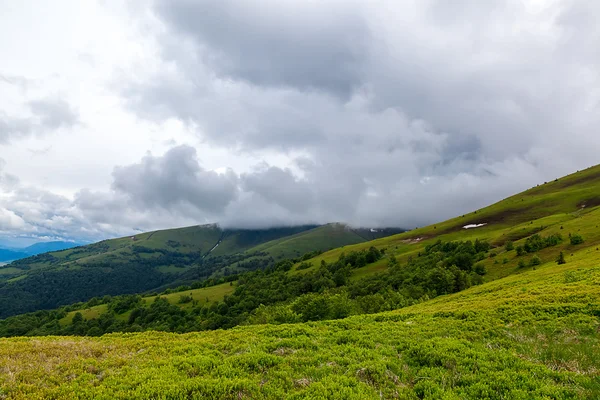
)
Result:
{"points": [[520, 251], [78, 317], [561, 259]]}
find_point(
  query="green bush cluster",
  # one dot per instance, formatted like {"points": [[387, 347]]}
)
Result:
{"points": [[536, 242]]}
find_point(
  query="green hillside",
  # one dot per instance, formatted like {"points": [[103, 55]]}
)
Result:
{"points": [[531, 335], [508, 309], [192, 297], [155, 261]]}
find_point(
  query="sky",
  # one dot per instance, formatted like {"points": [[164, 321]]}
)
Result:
{"points": [[125, 116]]}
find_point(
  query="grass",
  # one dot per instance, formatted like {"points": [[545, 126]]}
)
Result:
{"points": [[202, 296], [9, 270], [531, 335], [321, 238], [527, 333]]}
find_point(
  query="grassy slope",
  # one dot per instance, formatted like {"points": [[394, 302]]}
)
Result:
{"points": [[322, 238], [203, 295], [530, 333], [194, 238]]}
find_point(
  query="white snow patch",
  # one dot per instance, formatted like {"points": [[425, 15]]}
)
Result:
{"points": [[471, 226], [373, 230]]}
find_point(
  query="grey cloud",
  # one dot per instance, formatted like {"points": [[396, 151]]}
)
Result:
{"points": [[46, 114], [54, 113], [437, 115], [7, 181], [175, 179], [281, 187], [313, 46], [392, 113]]}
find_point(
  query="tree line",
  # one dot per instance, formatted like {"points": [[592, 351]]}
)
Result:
{"points": [[275, 295]]}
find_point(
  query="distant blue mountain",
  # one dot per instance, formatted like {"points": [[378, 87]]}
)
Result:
{"points": [[37, 248], [11, 255]]}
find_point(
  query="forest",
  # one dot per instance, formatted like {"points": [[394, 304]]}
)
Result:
{"points": [[274, 295]]}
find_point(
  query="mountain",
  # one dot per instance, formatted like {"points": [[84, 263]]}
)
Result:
{"points": [[37, 248], [44, 247], [10, 255], [157, 260], [503, 302]]}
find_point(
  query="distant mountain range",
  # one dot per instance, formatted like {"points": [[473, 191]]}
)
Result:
{"points": [[12, 254]]}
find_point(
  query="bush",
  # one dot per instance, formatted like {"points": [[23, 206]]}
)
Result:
{"points": [[183, 299], [480, 269], [576, 239], [520, 251], [536, 242], [304, 265], [521, 264], [508, 246], [561, 259], [535, 260]]}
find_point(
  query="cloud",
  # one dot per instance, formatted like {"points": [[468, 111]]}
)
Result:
{"points": [[310, 46], [384, 97], [372, 113], [7, 181], [45, 115], [175, 179]]}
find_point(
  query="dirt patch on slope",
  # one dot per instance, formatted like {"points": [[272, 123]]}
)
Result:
{"points": [[589, 203]]}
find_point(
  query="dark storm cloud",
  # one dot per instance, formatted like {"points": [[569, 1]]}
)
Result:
{"points": [[45, 115], [309, 46], [436, 110]]}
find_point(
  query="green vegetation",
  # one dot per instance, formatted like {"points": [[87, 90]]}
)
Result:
{"points": [[155, 261], [576, 239], [520, 337], [425, 314], [272, 296], [561, 259]]}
